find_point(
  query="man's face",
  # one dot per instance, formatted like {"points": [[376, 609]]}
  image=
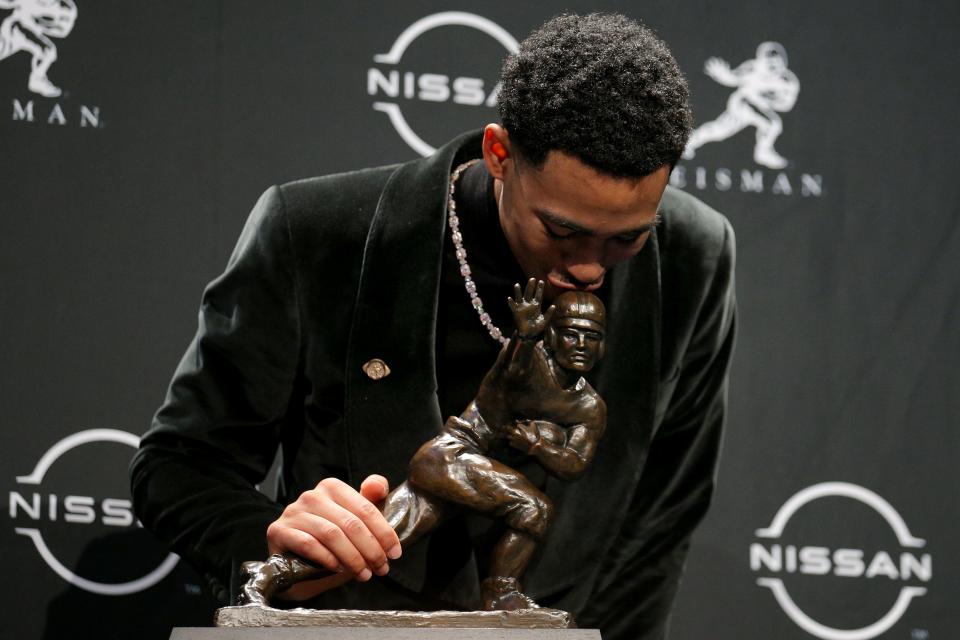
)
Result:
{"points": [[566, 223], [577, 345]]}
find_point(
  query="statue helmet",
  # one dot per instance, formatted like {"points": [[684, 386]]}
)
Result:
{"points": [[579, 309]]}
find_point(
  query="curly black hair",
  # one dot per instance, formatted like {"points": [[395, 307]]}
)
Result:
{"points": [[600, 87]]}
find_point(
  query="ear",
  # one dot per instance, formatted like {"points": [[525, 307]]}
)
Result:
{"points": [[602, 350], [497, 154]]}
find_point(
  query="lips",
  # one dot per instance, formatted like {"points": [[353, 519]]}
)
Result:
{"points": [[562, 283]]}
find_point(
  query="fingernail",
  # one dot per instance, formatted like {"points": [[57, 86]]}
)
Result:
{"points": [[383, 569], [395, 552], [364, 575]]}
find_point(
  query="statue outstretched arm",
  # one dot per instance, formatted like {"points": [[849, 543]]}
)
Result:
{"points": [[719, 70], [517, 359]]}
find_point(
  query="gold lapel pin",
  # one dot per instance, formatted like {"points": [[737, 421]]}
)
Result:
{"points": [[376, 369]]}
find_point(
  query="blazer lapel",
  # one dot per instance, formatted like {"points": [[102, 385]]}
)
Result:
{"points": [[394, 320]]}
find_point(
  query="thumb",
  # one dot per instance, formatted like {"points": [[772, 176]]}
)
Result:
{"points": [[375, 488], [548, 316]]}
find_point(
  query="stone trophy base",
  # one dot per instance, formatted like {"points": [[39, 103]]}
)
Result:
{"points": [[259, 623]]}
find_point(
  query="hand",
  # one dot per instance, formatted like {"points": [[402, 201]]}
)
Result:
{"points": [[339, 528], [717, 68], [523, 435], [526, 309]]}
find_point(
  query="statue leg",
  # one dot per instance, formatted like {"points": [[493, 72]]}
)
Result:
{"points": [[411, 512], [502, 590], [458, 475], [527, 511], [512, 554]]}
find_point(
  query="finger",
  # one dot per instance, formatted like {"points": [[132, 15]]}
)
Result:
{"points": [[332, 537], [359, 535], [374, 488], [320, 509], [337, 579], [548, 316], [286, 539], [511, 303], [517, 294], [528, 294], [367, 512], [538, 296]]}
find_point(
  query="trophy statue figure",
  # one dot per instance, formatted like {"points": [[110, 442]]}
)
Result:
{"points": [[535, 399]]}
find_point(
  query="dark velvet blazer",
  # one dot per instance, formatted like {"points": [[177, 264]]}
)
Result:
{"points": [[331, 272]]}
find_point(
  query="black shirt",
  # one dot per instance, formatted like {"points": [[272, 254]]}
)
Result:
{"points": [[465, 350]]}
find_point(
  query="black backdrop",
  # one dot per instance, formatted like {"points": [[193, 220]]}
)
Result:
{"points": [[123, 196]]}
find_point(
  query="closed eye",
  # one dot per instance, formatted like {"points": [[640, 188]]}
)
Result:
{"points": [[558, 234], [629, 238]]}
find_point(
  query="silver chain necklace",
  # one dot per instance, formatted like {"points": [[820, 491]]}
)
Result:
{"points": [[454, 222]]}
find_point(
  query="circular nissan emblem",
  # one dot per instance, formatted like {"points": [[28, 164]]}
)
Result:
{"points": [[431, 87], [35, 477], [843, 562]]}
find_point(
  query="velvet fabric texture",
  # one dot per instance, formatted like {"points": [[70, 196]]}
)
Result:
{"points": [[331, 272]]}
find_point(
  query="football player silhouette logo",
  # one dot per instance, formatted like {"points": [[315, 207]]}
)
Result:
{"points": [[30, 28], [764, 86]]}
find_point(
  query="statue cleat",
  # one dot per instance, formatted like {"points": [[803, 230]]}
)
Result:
{"points": [[504, 594]]}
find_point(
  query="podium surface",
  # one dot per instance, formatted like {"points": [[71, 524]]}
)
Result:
{"points": [[254, 622], [378, 633]]}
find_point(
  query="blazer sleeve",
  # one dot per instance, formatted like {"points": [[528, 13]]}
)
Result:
{"points": [[640, 578], [214, 438]]}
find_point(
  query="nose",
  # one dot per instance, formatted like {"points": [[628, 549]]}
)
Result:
{"points": [[585, 262], [581, 341]]}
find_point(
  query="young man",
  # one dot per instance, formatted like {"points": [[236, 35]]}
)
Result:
{"points": [[354, 316]]}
